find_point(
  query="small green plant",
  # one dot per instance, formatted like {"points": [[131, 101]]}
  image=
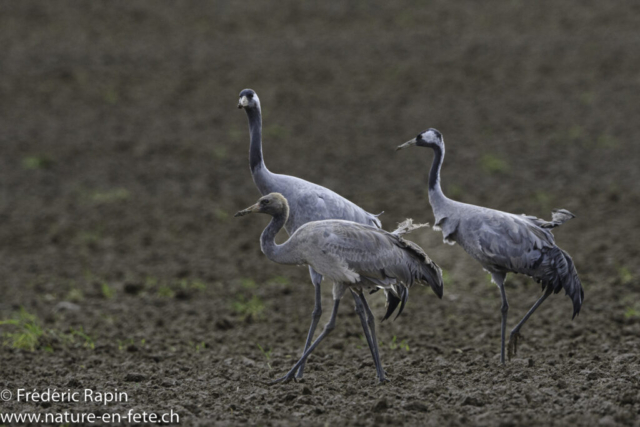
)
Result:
{"points": [[404, 345], [455, 191], [90, 237], [150, 281], [123, 344], [220, 153], [235, 134], [111, 96], [280, 280], [110, 196], [197, 285], [607, 141], [632, 311], [575, 132], [249, 308], [201, 346], [276, 132], [37, 162], [88, 341], [446, 277], [27, 331], [543, 200], [266, 354], [29, 335], [586, 98], [493, 164], [166, 292], [75, 295], [107, 291], [625, 275], [248, 284], [220, 214]]}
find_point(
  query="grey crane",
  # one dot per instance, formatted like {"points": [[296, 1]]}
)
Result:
{"points": [[354, 256], [308, 201], [502, 242]]}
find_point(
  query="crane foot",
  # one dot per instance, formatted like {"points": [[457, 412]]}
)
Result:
{"points": [[512, 346], [291, 376]]}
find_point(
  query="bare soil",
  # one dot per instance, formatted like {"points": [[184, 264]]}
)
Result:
{"points": [[123, 158]]}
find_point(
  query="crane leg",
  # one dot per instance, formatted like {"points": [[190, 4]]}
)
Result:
{"points": [[369, 333], [330, 326], [371, 321], [316, 279], [515, 333], [499, 280], [365, 327]]}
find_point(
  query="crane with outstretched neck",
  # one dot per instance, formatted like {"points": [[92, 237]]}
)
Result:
{"points": [[307, 201], [502, 242]]}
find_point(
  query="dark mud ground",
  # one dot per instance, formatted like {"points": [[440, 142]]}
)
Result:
{"points": [[123, 158]]}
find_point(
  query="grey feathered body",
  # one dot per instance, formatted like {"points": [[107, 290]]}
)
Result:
{"points": [[503, 242], [310, 202], [362, 256]]}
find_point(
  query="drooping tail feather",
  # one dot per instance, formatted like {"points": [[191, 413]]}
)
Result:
{"points": [[392, 304], [404, 295], [556, 272], [430, 272], [572, 285], [414, 266]]}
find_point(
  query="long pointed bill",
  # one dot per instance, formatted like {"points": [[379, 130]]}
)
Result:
{"points": [[406, 144], [250, 209], [243, 102]]}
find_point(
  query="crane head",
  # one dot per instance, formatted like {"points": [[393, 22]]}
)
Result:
{"points": [[272, 204], [248, 99], [429, 138]]}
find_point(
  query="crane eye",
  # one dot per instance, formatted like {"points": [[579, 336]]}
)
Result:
{"points": [[264, 202]]}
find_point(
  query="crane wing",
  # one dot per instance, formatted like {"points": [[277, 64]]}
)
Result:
{"points": [[380, 256], [511, 242], [311, 202]]}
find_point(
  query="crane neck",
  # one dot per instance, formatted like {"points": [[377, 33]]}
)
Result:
{"points": [[435, 191], [256, 160], [261, 175], [282, 254]]}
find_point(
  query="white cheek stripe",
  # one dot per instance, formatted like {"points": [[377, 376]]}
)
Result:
{"points": [[244, 101]]}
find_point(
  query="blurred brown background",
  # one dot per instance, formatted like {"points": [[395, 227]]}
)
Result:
{"points": [[123, 158]]}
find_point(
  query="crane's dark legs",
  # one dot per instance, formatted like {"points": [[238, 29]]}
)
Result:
{"points": [[515, 333], [499, 280], [366, 318], [331, 324], [371, 321], [365, 327], [316, 279]]}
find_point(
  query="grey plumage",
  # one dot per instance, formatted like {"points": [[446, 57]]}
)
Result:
{"points": [[354, 256], [502, 242], [308, 202]]}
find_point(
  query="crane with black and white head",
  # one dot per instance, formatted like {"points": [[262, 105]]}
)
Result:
{"points": [[502, 242], [307, 202]]}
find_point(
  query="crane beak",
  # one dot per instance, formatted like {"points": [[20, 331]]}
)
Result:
{"points": [[250, 209], [406, 144], [243, 102]]}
